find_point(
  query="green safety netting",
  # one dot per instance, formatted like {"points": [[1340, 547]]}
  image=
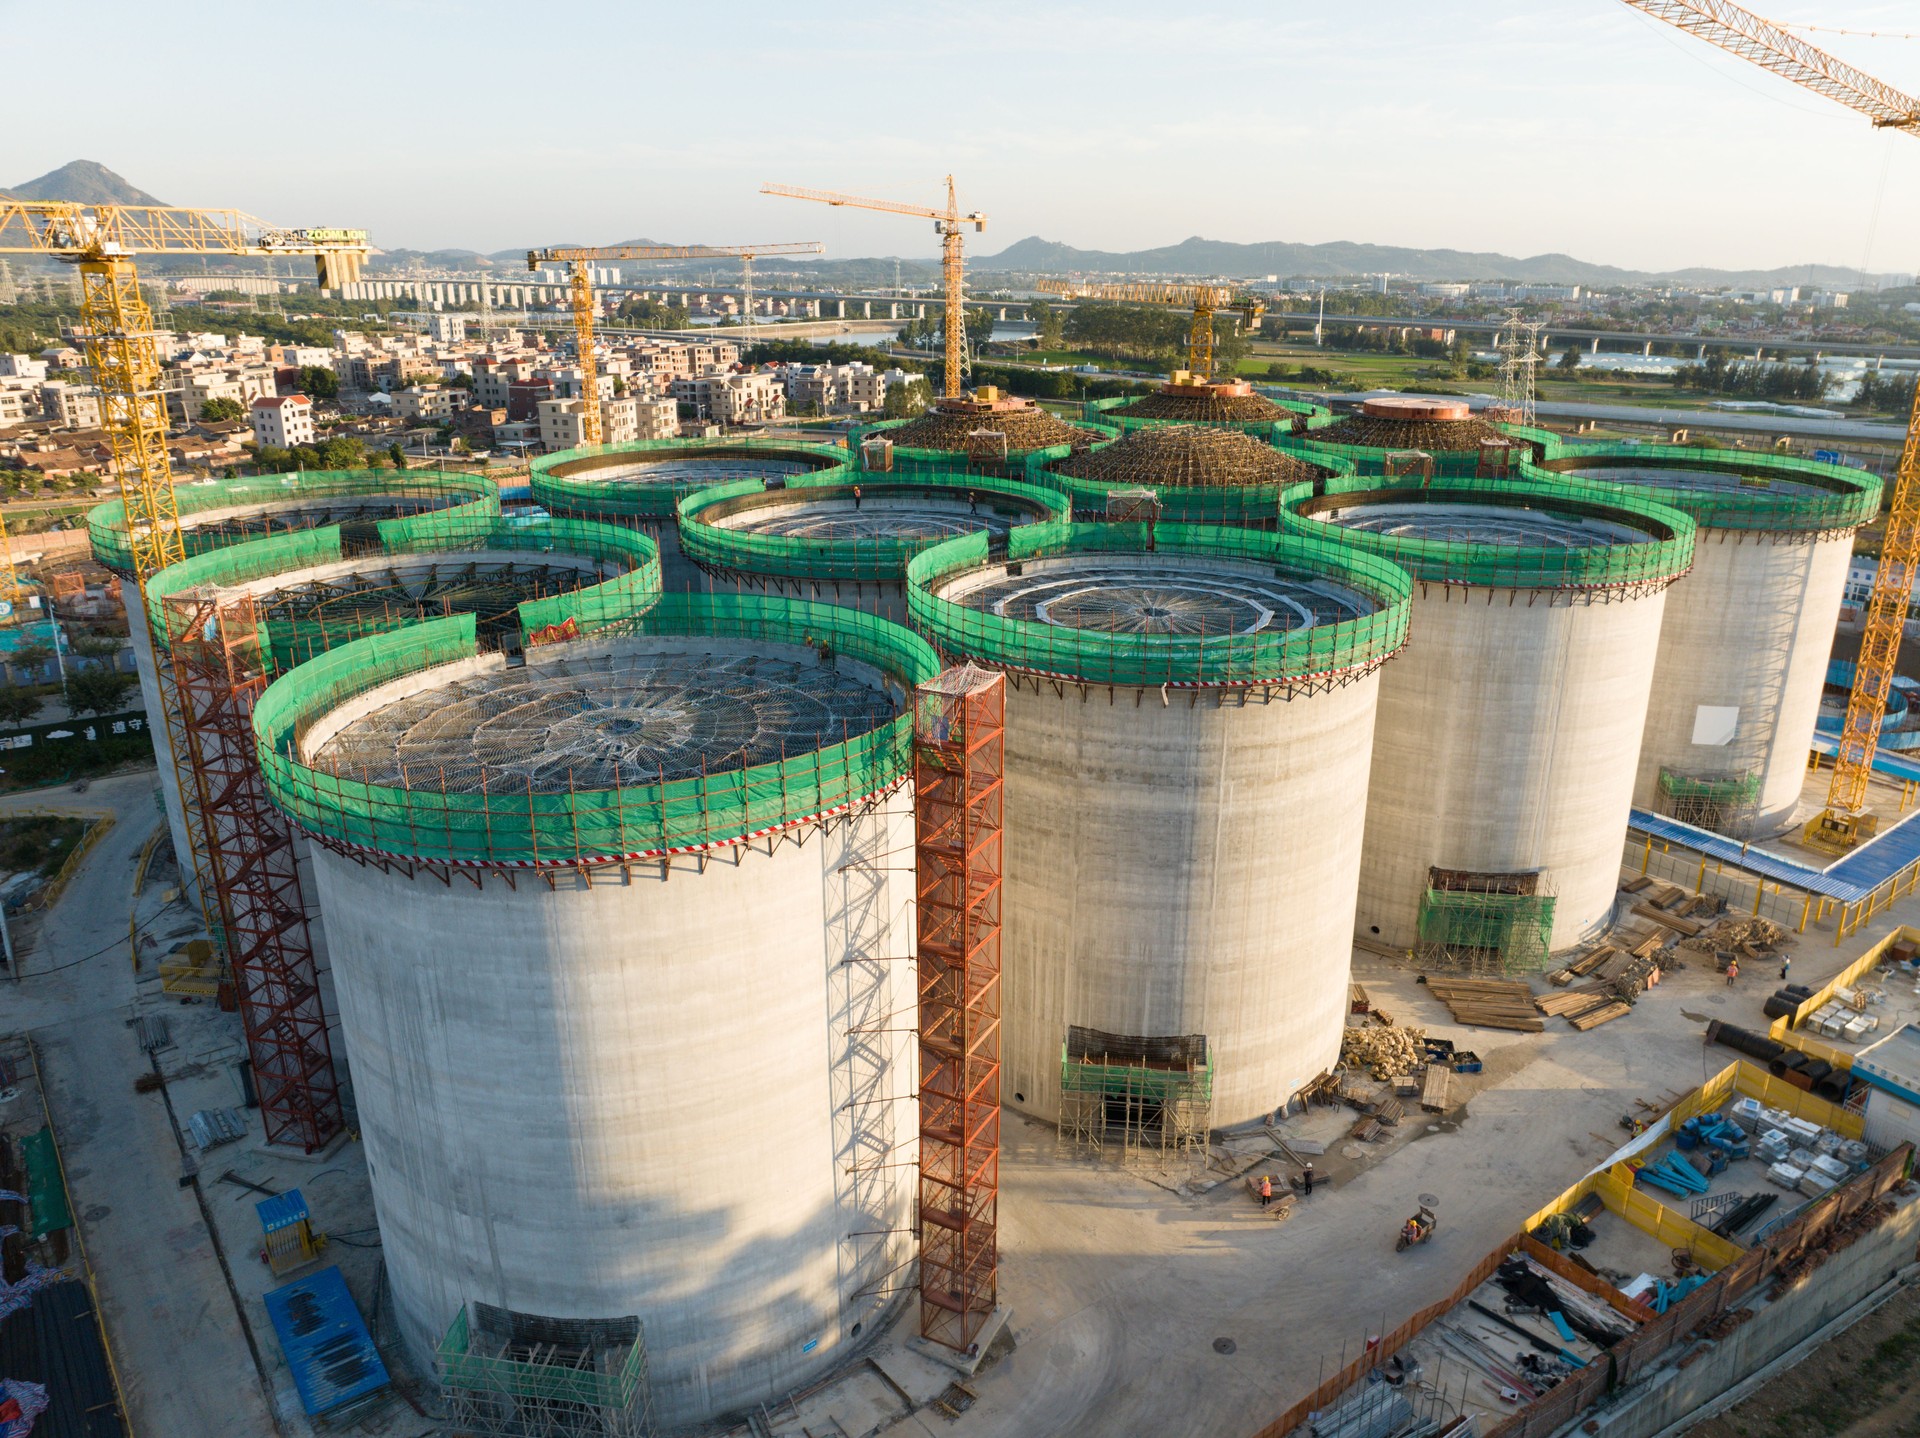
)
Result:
{"points": [[1311, 416], [461, 1367], [1771, 494], [46, 1184], [1447, 463], [596, 605], [1245, 505], [1470, 929], [432, 491], [876, 558], [1665, 556], [910, 460], [1322, 651], [579, 493], [1735, 789], [1135, 1081], [514, 826]]}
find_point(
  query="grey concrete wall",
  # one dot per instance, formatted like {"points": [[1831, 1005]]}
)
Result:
{"points": [[1672, 1393], [1508, 733], [1178, 869], [144, 665], [1750, 627], [673, 1097]]}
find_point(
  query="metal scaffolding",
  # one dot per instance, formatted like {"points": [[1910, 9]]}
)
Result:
{"points": [[959, 746], [518, 1375], [1148, 1096], [1485, 923], [219, 666]]}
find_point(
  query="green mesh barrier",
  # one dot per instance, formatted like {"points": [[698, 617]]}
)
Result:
{"points": [[1322, 652], [1447, 463], [1310, 417], [634, 821], [461, 1367], [581, 495], [1136, 1081], [1741, 789], [1244, 505], [454, 494], [1599, 566], [1847, 498], [878, 559], [1474, 930], [46, 1185], [290, 641]]}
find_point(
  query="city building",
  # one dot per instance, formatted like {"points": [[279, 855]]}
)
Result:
{"points": [[283, 421]]}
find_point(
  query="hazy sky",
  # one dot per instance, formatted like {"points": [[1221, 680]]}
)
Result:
{"points": [[1521, 126]]}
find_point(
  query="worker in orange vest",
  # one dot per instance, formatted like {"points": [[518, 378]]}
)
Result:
{"points": [[1733, 971], [1266, 1189]]}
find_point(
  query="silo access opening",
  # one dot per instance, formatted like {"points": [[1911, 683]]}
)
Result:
{"points": [[1478, 923], [507, 1374], [1145, 1095]]}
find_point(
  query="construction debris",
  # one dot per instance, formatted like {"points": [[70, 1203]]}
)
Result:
{"points": [[1385, 1053], [1751, 937], [1488, 1003]]}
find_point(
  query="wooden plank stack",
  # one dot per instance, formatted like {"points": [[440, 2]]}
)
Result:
{"points": [[1488, 1003], [1436, 1094], [1586, 1007]]}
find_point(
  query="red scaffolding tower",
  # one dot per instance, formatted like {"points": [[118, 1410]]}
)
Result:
{"points": [[959, 745], [220, 665]]}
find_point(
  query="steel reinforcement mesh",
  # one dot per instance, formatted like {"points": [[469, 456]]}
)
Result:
{"points": [[1722, 488], [1150, 655], [464, 1363], [1196, 489], [517, 824], [589, 491], [918, 459], [1288, 416], [293, 637], [281, 503], [1659, 560], [878, 556]]}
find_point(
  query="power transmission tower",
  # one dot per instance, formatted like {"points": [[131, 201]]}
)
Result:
{"points": [[1519, 358]]}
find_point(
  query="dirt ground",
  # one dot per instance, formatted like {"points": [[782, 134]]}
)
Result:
{"points": [[1857, 1385]]}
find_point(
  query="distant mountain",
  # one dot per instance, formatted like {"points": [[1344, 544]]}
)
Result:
{"points": [[1199, 256], [85, 182]]}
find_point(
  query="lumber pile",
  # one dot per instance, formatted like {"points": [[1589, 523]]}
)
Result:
{"points": [[1385, 1053], [1671, 918], [1586, 1007], [1751, 937], [1436, 1094], [1488, 1003], [1592, 959]]}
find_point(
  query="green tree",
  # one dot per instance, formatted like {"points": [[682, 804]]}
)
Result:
{"points": [[305, 456], [465, 381], [652, 315], [98, 690], [1230, 344], [18, 705], [1049, 325], [319, 382], [1571, 359], [396, 455], [95, 647], [979, 326], [904, 401], [343, 451], [29, 657], [218, 411], [272, 459]]}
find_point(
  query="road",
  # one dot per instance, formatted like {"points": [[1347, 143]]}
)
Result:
{"points": [[162, 1288]]}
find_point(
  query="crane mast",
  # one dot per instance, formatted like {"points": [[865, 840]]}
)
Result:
{"points": [[1845, 821]]}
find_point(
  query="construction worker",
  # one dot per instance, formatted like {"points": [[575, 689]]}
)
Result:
{"points": [[1309, 1180], [1733, 971], [1786, 966], [1266, 1189], [856, 496]]}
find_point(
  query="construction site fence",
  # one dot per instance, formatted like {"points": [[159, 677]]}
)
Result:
{"points": [[1632, 1357], [441, 492], [911, 460], [507, 822], [1255, 505], [1322, 653], [1847, 978], [1664, 556], [461, 1367], [1306, 416], [1845, 498], [880, 558], [609, 601], [582, 495]]}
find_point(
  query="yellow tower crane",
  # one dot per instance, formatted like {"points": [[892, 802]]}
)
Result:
{"points": [[949, 224], [102, 241], [581, 262], [1203, 300], [1846, 820]]}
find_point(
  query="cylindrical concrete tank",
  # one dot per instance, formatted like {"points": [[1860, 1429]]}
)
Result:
{"points": [[598, 919], [816, 538], [1189, 473], [1745, 638], [1189, 717], [226, 512], [642, 483], [1504, 753]]}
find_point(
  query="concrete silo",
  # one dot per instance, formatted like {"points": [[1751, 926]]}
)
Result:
{"points": [[616, 935], [816, 538], [226, 512], [1504, 753], [1189, 715], [1745, 639]]}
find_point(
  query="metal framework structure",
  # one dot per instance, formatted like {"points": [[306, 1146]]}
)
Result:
{"points": [[1845, 821], [519, 1375], [949, 224], [1485, 923], [220, 666], [1149, 1096], [102, 240], [1203, 300], [959, 749], [1519, 347], [580, 264]]}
